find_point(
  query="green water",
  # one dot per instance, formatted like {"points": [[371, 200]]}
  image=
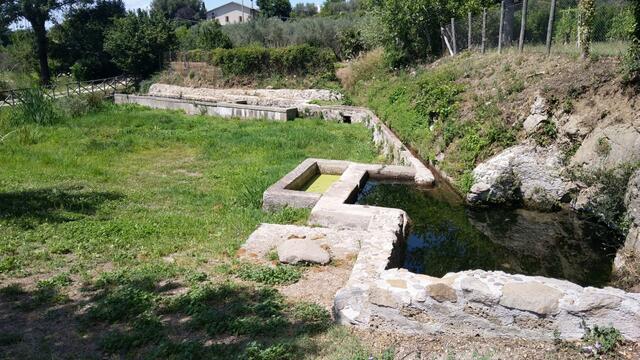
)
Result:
{"points": [[320, 183], [447, 237]]}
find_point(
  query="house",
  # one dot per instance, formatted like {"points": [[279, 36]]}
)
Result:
{"points": [[232, 12]]}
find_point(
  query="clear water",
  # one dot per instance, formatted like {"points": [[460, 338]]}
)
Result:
{"points": [[447, 237]]}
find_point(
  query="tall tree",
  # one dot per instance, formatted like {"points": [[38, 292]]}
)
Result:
{"points": [[77, 44], [304, 10], [193, 10], [37, 13], [275, 8], [138, 41]]}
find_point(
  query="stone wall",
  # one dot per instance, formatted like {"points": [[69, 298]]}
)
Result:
{"points": [[226, 110], [484, 303]]}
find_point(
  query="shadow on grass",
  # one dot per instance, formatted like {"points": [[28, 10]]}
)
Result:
{"points": [[54, 205], [137, 315]]}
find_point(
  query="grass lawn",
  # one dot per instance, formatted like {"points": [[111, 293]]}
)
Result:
{"points": [[117, 230]]}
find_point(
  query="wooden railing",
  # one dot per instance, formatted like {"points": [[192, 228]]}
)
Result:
{"points": [[107, 87]]}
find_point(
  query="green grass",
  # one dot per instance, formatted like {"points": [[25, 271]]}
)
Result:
{"points": [[127, 204], [130, 185]]}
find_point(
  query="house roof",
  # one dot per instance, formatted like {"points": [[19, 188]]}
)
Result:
{"points": [[234, 3]]}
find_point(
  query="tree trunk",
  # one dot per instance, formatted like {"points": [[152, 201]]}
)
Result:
{"points": [[509, 18], [587, 13], [41, 45], [523, 25]]}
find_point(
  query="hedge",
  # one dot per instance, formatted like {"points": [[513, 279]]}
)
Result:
{"points": [[254, 60]]}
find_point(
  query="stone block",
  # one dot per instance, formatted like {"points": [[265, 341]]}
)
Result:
{"points": [[531, 296]]}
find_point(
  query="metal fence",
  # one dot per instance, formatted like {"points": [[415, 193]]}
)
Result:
{"points": [[107, 87], [610, 36]]}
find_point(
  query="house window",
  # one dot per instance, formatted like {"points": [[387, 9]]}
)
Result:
{"points": [[226, 19], [240, 18]]}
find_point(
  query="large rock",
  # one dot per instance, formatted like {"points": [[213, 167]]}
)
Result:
{"points": [[537, 115], [531, 296], [632, 202], [522, 172], [608, 146], [294, 251]]}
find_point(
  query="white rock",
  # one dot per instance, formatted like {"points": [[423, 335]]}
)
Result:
{"points": [[293, 251]]}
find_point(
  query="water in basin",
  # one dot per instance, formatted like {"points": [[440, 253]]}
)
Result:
{"points": [[320, 183], [447, 236]]}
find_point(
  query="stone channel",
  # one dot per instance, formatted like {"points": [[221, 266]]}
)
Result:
{"points": [[485, 303]]}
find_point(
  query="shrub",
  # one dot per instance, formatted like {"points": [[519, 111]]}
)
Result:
{"points": [[604, 339], [76, 106], [344, 36], [35, 108], [206, 35], [631, 65], [254, 60]]}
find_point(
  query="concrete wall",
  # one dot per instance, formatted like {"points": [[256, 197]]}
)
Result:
{"points": [[207, 108]]}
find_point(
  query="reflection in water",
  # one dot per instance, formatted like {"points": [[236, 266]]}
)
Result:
{"points": [[448, 237]]}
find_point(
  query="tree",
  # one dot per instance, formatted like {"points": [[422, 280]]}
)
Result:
{"points": [[411, 29], [180, 9], [77, 44], [138, 41], [206, 35], [338, 7], [587, 11], [304, 10], [37, 13], [275, 8]]}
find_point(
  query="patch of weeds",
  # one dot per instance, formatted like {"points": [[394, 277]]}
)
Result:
{"points": [[232, 309], [12, 291], [250, 194], [603, 147], [361, 354], [123, 303], [144, 277], [9, 338], [515, 87], [546, 134], [608, 206], [466, 181], [196, 277], [628, 275], [60, 280], [602, 340], [272, 255], [282, 351], [269, 275], [314, 318], [290, 216], [567, 106], [569, 151], [146, 329]]}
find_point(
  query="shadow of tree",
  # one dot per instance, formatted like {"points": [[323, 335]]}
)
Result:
{"points": [[137, 315], [55, 204]]}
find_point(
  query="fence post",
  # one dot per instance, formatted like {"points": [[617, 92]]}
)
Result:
{"points": [[501, 27], [453, 36], [523, 25], [469, 33], [484, 29], [552, 15]]}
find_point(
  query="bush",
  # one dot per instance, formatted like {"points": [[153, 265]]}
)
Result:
{"points": [[256, 60], [76, 106], [35, 108], [206, 35], [339, 35]]}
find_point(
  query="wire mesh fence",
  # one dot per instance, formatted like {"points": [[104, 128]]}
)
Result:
{"points": [[610, 35]]}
